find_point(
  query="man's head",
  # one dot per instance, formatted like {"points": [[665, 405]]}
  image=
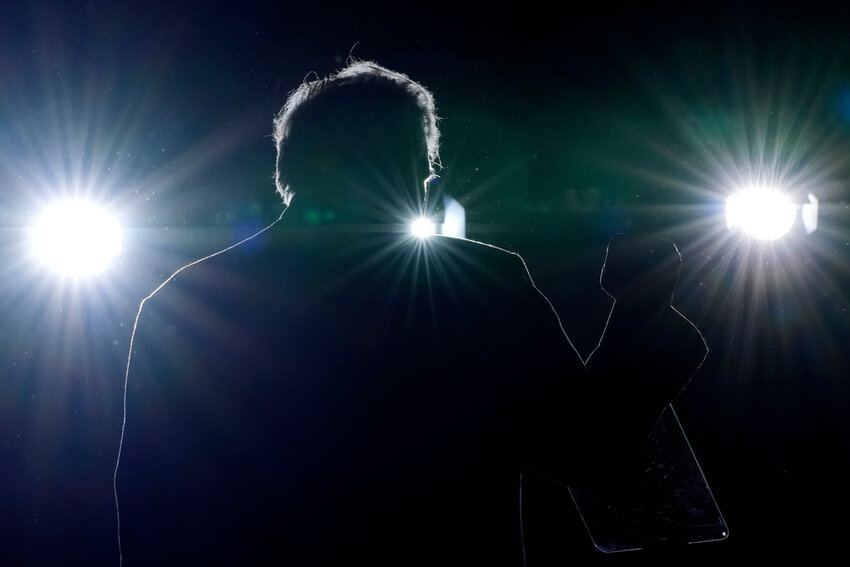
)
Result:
{"points": [[362, 138]]}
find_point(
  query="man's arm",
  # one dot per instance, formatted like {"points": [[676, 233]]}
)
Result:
{"points": [[605, 412], [648, 352]]}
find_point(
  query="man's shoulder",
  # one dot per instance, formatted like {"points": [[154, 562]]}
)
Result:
{"points": [[476, 246], [477, 256]]}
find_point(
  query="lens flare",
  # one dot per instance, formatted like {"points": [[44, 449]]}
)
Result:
{"points": [[422, 227], [765, 214], [76, 238]]}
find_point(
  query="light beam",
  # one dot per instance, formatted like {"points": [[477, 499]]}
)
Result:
{"points": [[763, 213], [422, 227], [76, 238]]}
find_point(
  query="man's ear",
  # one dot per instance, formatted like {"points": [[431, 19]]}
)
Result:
{"points": [[430, 197]]}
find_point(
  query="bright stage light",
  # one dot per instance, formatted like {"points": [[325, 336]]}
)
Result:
{"points": [[765, 214], [423, 227], [76, 238], [453, 217]]}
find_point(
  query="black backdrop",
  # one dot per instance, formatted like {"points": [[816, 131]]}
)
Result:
{"points": [[562, 126]]}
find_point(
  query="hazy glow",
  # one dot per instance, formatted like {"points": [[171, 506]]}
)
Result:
{"points": [[765, 214], [422, 227], [76, 238], [809, 214], [455, 218]]}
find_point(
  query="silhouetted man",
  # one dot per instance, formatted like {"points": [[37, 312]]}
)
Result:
{"points": [[352, 394]]}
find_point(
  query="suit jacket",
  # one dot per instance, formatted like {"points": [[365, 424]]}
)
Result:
{"points": [[329, 400]]}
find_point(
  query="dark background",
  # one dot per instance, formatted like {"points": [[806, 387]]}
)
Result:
{"points": [[562, 125]]}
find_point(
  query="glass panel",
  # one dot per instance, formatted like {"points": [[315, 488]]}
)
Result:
{"points": [[668, 500]]}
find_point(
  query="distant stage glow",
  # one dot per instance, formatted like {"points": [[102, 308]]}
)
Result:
{"points": [[763, 213], [453, 221], [422, 227], [76, 238]]}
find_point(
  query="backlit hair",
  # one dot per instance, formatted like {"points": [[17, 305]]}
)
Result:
{"points": [[359, 72]]}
